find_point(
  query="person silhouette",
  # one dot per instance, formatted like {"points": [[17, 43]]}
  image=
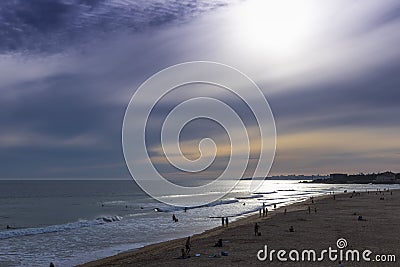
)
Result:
{"points": [[256, 229], [188, 246]]}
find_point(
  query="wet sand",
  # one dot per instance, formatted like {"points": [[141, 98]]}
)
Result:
{"points": [[317, 230]]}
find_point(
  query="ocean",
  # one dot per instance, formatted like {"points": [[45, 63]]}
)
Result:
{"points": [[73, 222]]}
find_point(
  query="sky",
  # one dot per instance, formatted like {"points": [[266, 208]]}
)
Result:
{"points": [[68, 68]]}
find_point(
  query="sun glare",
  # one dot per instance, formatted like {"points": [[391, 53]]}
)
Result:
{"points": [[274, 27]]}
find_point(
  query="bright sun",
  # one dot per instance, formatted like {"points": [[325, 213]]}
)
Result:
{"points": [[274, 26]]}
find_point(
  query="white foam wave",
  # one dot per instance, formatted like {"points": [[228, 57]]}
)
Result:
{"points": [[57, 228]]}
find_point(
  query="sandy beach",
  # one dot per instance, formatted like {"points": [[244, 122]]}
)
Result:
{"points": [[317, 224]]}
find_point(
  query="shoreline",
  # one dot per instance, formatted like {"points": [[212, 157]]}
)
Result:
{"points": [[169, 250], [243, 219]]}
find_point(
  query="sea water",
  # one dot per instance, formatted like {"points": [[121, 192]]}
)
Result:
{"points": [[73, 222]]}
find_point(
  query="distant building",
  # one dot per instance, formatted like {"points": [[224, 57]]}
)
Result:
{"points": [[398, 178], [338, 176], [362, 178], [386, 177]]}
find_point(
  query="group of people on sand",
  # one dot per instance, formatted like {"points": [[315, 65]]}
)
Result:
{"points": [[309, 209], [264, 210], [185, 251], [382, 192]]}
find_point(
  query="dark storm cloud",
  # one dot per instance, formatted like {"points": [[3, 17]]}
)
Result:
{"points": [[42, 15], [51, 25]]}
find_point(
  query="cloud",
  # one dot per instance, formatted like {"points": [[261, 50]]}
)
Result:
{"points": [[52, 25], [350, 149], [30, 139], [69, 68]]}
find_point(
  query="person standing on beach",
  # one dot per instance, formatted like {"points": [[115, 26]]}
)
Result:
{"points": [[223, 221], [256, 228], [226, 221], [187, 246], [266, 212], [260, 212]]}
